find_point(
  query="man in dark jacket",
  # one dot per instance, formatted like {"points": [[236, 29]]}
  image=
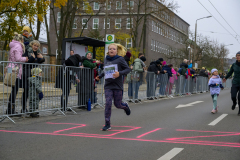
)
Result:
{"points": [[153, 70], [203, 72]]}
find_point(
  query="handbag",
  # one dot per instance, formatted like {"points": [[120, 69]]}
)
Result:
{"points": [[11, 76]]}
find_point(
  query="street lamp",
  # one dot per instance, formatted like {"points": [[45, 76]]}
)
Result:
{"points": [[195, 45]]}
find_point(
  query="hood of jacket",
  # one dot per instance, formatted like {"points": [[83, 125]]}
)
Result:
{"points": [[183, 65], [15, 44]]}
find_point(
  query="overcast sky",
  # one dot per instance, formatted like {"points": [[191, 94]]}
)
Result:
{"points": [[191, 10]]}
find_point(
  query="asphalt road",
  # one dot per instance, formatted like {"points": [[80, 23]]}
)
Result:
{"points": [[154, 130]]}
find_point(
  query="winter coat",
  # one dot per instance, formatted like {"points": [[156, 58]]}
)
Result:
{"points": [[203, 73], [127, 59], [27, 40], [215, 89], [27, 67], [15, 55], [236, 70], [137, 71], [174, 76], [89, 64], [152, 70], [35, 87], [168, 69]]}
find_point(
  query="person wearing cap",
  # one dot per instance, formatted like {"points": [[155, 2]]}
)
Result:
{"points": [[235, 68], [35, 91], [27, 36], [153, 70], [135, 78], [215, 83]]}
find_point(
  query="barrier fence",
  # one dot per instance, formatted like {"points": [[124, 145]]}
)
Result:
{"points": [[66, 89]]}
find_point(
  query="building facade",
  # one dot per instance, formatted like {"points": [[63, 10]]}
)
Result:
{"points": [[154, 29]]}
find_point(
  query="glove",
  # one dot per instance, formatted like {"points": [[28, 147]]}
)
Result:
{"points": [[26, 43], [40, 95]]}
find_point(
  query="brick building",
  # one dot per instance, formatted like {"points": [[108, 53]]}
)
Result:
{"points": [[165, 33]]}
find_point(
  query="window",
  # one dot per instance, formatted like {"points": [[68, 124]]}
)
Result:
{"points": [[84, 22], [118, 23], [129, 23], [58, 17], [129, 43], [109, 6], [44, 50], [74, 24], [130, 4], [157, 27], [153, 45], [108, 23], [85, 5], [95, 23], [95, 6], [119, 5]]}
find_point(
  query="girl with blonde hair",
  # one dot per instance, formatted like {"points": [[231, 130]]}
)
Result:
{"points": [[17, 49], [114, 84]]}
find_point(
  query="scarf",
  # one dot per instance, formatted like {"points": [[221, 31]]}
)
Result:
{"points": [[214, 77], [27, 35], [112, 58], [238, 63]]}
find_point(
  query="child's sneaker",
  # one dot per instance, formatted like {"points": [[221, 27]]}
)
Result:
{"points": [[213, 111], [217, 109], [106, 127], [127, 110]]}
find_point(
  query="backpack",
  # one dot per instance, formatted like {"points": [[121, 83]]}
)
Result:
{"points": [[184, 70]]}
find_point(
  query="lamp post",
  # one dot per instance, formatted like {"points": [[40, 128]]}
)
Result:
{"points": [[195, 45]]}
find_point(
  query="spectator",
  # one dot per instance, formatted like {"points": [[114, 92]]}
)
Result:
{"points": [[71, 52], [87, 86], [127, 57], [151, 79], [34, 56], [27, 37], [135, 78], [183, 70], [172, 80], [72, 61], [17, 49], [163, 79], [35, 91], [203, 72]]}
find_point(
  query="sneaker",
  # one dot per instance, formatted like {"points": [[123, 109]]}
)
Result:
{"points": [[127, 110], [233, 106], [217, 109], [139, 100], [213, 111], [106, 127]]}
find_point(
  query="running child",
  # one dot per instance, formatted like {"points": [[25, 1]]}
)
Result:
{"points": [[114, 86], [215, 83]]}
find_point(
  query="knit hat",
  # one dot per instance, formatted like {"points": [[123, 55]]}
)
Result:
{"points": [[213, 70], [164, 63], [36, 71], [128, 54], [160, 59], [143, 58], [87, 53], [158, 62], [238, 53], [26, 28]]}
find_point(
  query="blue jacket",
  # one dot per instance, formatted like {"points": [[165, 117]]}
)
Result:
{"points": [[168, 69]]}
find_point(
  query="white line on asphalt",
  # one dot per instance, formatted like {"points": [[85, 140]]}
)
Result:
{"points": [[171, 154], [188, 105], [213, 123]]}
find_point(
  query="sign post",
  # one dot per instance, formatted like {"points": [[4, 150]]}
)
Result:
{"points": [[108, 41]]}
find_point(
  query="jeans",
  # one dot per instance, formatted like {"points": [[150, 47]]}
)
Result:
{"points": [[214, 98], [133, 86]]}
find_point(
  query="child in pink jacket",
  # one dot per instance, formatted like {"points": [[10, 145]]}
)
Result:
{"points": [[17, 49]]}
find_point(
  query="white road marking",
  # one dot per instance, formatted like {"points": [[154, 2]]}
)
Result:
{"points": [[213, 123], [188, 105], [171, 154]]}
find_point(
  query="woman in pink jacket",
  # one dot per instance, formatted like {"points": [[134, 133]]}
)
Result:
{"points": [[17, 49]]}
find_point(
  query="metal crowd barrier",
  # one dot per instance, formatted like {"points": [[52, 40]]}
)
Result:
{"points": [[68, 88]]}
